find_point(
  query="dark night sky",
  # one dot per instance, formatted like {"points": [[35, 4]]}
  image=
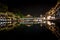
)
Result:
{"points": [[35, 8]]}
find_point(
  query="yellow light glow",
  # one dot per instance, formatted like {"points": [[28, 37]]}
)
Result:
{"points": [[44, 18], [48, 17], [28, 15], [48, 22]]}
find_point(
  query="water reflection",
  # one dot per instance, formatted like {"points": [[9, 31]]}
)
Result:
{"points": [[52, 26]]}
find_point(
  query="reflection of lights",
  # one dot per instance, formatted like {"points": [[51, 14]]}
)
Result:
{"points": [[44, 21], [48, 22], [53, 23]]}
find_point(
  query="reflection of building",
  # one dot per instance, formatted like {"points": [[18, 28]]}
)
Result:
{"points": [[4, 21], [7, 21]]}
